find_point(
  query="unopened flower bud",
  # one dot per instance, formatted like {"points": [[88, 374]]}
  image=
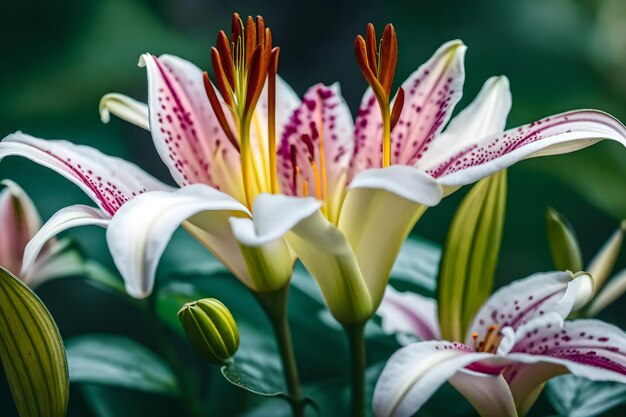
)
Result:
{"points": [[211, 329], [563, 243]]}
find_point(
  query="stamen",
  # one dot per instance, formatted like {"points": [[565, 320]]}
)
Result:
{"points": [[398, 104], [475, 338], [378, 65], [294, 167], [222, 83], [305, 188], [271, 116], [372, 55], [223, 48], [316, 173], [217, 108], [388, 58]]}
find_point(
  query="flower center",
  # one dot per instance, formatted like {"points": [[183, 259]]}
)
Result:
{"points": [[490, 342], [377, 61], [241, 65]]}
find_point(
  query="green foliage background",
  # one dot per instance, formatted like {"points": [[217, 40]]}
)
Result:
{"points": [[60, 57]]}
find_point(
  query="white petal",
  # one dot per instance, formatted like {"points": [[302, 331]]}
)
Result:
{"points": [[107, 180], [409, 313], [141, 229], [321, 247], [380, 209], [489, 394], [64, 219], [125, 108], [485, 116], [403, 181], [414, 373]]}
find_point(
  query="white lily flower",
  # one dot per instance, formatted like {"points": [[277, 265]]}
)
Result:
{"points": [[357, 209], [518, 340]]}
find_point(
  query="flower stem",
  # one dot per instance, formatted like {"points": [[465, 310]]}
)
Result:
{"points": [[167, 351], [275, 306], [356, 340]]}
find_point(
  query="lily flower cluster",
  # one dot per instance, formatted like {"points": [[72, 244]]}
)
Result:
{"points": [[264, 177]]}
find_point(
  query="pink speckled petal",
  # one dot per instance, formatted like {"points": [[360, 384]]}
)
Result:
{"points": [[415, 372], [322, 121], [562, 133], [184, 128], [19, 221], [109, 181], [431, 93], [516, 304], [409, 313], [548, 347]]}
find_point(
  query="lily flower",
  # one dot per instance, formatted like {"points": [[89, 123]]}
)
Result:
{"points": [[518, 340], [19, 222], [217, 149], [354, 190]]}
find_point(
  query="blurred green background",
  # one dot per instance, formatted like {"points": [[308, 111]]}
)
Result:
{"points": [[60, 57]]}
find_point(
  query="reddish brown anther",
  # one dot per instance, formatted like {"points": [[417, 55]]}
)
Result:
{"points": [[378, 63], [217, 108], [398, 104], [243, 61]]}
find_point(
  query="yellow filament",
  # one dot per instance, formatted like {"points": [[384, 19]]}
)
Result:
{"points": [[305, 188], [324, 179], [318, 188], [246, 168], [386, 135]]}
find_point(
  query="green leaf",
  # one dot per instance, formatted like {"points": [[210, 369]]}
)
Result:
{"points": [[417, 266], [470, 257], [573, 396], [119, 361], [564, 246], [32, 351]]}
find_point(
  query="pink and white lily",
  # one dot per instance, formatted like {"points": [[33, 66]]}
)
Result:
{"points": [[193, 136], [352, 199], [518, 339], [19, 222]]}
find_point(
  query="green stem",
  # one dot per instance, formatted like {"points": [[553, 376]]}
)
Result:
{"points": [[356, 340], [167, 351], [275, 306]]}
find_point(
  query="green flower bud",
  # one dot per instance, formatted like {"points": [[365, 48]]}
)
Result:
{"points": [[563, 243], [211, 329]]}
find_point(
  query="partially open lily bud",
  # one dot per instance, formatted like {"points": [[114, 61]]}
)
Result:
{"points": [[211, 329]]}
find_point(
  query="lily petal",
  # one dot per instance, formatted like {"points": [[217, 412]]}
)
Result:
{"points": [[489, 394], [185, 130], [485, 116], [109, 181], [19, 221], [141, 229], [125, 108], [64, 219], [409, 313], [321, 125], [562, 133], [322, 248], [516, 304], [415, 372], [380, 209], [549, 347]]}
